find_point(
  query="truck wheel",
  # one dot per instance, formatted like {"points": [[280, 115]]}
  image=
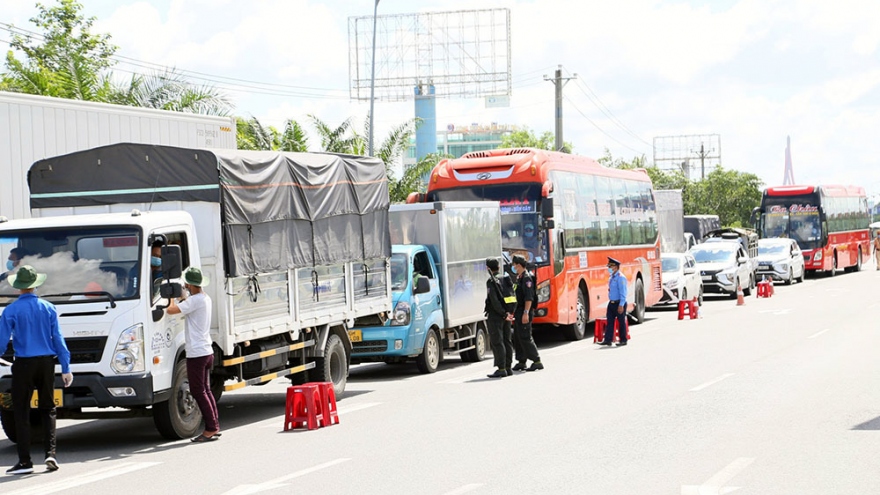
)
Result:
{"points": [[333, 367], [179, 416], [7, 420], [429, 359], [578, 329], [476, 354], [638, 313]]}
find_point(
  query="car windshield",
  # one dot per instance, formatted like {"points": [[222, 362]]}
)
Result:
{"points": [[670, 264], [771, 248], [81, 264], [713, 254], [399, 265]]}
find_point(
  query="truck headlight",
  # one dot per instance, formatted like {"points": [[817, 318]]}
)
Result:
{"points": [[401, 314], [543, 291], [128, 357]]}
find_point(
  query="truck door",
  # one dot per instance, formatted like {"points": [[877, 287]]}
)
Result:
{"points": [[424, 305], [164, 337]]}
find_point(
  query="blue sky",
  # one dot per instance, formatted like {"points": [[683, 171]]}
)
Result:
{"points": [[752, 71]]}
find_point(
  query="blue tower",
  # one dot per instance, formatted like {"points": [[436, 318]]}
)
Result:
{"points": [[426, 110]]}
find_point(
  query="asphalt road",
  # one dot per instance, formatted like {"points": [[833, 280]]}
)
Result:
{"points": [[779, 396]]}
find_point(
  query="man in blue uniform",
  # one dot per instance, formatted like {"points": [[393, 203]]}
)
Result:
{"points": [[36, 341], [616, 304], [522, 318]]}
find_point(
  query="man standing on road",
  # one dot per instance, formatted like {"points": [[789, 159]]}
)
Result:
{"points": [[616, 304], [498, 318], [36, 340], [522, 318], [877, 249], [199, 354]]}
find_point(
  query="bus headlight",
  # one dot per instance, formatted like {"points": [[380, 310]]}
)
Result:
{"points": [[543, 291], [128, 357], [817, 256], [401, 314]]}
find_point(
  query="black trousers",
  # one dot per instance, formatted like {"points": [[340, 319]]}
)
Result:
{"points": [[500, 339], [29, 374], [611, 314], [522, 335]]}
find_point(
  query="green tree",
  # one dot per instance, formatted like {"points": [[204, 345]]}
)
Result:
{"points": [[169, 90], [252, 135], [413, 178], [340, 139], [727, 193], [66, 61], [525, 138]]}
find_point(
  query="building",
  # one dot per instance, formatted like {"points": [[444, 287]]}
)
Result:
{"points": [[458, 140]]}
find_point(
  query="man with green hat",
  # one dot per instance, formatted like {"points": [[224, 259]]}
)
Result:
{"points": [[196, 310], [36, 340]]}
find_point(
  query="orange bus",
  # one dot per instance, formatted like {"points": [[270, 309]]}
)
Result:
{"points": [[566, 214], [829, 223]]}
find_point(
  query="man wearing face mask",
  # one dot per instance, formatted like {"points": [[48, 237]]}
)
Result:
{"points": [[616, 304], [525, 348], [12, 262]]}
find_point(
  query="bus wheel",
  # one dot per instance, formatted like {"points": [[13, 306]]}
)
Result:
{"points": [[578, 329], [833, 271], [638, 313]]}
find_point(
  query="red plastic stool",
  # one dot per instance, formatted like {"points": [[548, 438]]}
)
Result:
{"points": [[687, 308], [765, 288], [304, 407], [328, 402]]}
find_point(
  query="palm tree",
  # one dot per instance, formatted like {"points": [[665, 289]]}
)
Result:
{"points": [[342, 139], [413, 179], [294, 137], [169, 90]]}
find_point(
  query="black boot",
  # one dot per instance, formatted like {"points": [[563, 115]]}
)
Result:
{"points": [[499, 373]]}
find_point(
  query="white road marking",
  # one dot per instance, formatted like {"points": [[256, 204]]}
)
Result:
{"points": [[341, 410], [712, 382], [84, 479], [776, 312], [464, 489], [279, 482], [463, 379], [715, 485], [100, 459], [818, 334]]}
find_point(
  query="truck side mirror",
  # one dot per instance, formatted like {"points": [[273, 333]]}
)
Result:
{"points": [[169, 290], [171, 264], [547, 208], [423, 286], [158, 314]]}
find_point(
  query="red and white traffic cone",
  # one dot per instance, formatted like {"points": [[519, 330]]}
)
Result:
{"points": [[740, 297]]}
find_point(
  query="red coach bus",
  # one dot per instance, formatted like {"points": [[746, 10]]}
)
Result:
{"points": [[829, 223], [566, 214]]}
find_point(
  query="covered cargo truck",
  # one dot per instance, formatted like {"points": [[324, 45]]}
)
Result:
{"points": [[296, 246], [670, 213], [438, 284]]}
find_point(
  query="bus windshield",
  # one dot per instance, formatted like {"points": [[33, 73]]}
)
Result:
{"points": [[520, 220], [793, 217], [81, 264]]}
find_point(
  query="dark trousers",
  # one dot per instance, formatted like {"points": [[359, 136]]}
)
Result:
{"points": [[198, 370], [523, 341], [611, 315], [29, 374], [501, 341]]}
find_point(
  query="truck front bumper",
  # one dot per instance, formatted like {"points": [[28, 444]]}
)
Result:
{"points": [[382, 341], [94, 390]]}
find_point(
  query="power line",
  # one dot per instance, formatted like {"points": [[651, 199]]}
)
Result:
{"points": [[597, 102], [599, 128]]}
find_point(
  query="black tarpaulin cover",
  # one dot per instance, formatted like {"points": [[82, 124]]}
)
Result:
{"points": [[279, 210]]}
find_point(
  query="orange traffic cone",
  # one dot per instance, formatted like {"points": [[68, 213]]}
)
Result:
{"points": [[740, 299]]}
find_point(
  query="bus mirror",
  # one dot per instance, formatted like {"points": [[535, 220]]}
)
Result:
{"points": [[171, 266], [753, 219], [549, 224], [547, 207]]}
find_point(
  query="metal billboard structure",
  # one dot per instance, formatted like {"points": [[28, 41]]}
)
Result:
{"points": [[688, 152], [463, 53]]}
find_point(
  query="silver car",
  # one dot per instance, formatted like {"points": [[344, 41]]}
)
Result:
{"points": [[681, 281], [780, 259], [724, 267]]}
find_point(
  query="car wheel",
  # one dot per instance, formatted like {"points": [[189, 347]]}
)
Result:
{"points": [[803, 275], [790, 278], [700, 297], [684, 295]]}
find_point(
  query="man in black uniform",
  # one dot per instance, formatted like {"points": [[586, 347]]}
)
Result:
{"points": [[498, 318], [522, 318]]}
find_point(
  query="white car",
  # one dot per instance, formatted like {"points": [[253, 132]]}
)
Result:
{"points": [[724, 267], [780, 259], [681, 282]]}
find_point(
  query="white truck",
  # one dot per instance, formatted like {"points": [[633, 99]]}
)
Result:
{"points": [[296, 246], [670, 220], [37, 127]]}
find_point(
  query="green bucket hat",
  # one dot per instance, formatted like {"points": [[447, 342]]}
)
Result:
{"points": [[193, 276], [27, 278]]}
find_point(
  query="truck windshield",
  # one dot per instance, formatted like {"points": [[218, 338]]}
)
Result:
{"points": [[399, 266], [521, 231], [81, 264]]}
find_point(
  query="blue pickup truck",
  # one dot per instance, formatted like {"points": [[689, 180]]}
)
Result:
{"points": [[438, 280]]}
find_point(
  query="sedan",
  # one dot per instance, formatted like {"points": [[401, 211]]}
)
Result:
{"points": [[681, 281], [780, 259]]}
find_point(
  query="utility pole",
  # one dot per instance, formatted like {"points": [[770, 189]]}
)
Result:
{"points": [[372, 82], [559, 82], [703, 153]]}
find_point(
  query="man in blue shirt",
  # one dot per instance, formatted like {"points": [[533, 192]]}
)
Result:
{"points": [[616, 304], [36, 339]]}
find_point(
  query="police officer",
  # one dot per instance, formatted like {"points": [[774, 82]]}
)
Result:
{"points": [[498, 320], [616, 304], [522, 318]]}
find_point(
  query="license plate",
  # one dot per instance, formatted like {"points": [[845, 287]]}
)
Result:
{"points": [[57, 396], [707, 278], [355, 336]]}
